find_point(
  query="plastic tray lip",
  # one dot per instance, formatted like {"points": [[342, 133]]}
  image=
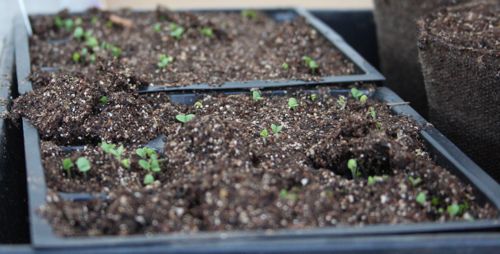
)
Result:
{"points": [[42, 235], [367, 71]]}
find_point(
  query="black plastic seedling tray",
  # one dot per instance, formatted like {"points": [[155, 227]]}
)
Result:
{"points": [[442, 149], [364, 70]]}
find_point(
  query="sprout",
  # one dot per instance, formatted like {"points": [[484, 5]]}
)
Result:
{"points": [[198, 105], [207, 32], [68, 165], [76, 57], [183, 118], [257, 95], [292, 103], [148, 179], [157, 27], [78, 33], [310, 63], [83, 165], [285, 66], [164, 60], [115, 51], [414, 181], [363, 99], [313, 97], [103, 100], [176, 31], [144, 152], [152, 165], [145, 164], [68, 24], [453, 210], [371, 180], [421, 198], [356, 94], [341, 102], [264, 133], [372, 113], [374, 179], [352, 165], [58, 22], [288, 195], [92, 42], [125, 163], [276, 129], [249, 14]]}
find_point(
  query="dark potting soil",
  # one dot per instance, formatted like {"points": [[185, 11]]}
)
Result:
{"points": [[205, 47], [218, 172], [476, 26]]}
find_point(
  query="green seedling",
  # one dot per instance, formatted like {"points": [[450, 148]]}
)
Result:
{"points": [[435, 201], [453, 210], [125, 163], [372, 113], [148, 179], [341, 102], [285, 66], [117, 153], [83, 165], [249, 14], [183, 118], [363, 99], [352, 165], [293, 103], [76, 57], [257, 95], [103, 100], [79, 33], [356, 94], [264, 133], [414, 181], [58, 22], [288, 195], [68, 24], [276, 129], [207, 32], [92, 58], [198, 105], [68, 165], [164, 60], [152, 165], [145, 152], [310, 63], [374, 179], [116, 51], [421, 198], [91, 42], [371, 180], [176, 31], [145, 164], [157, 27], [313, 97]]}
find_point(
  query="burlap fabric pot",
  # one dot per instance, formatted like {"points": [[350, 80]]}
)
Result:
{"points": [[463, 84], [397, 40]]}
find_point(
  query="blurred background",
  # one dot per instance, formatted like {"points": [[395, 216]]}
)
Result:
{"points": [[41, 6]]}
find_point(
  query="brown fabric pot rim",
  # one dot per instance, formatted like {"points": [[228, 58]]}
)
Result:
{"points": [[426, 36]]}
